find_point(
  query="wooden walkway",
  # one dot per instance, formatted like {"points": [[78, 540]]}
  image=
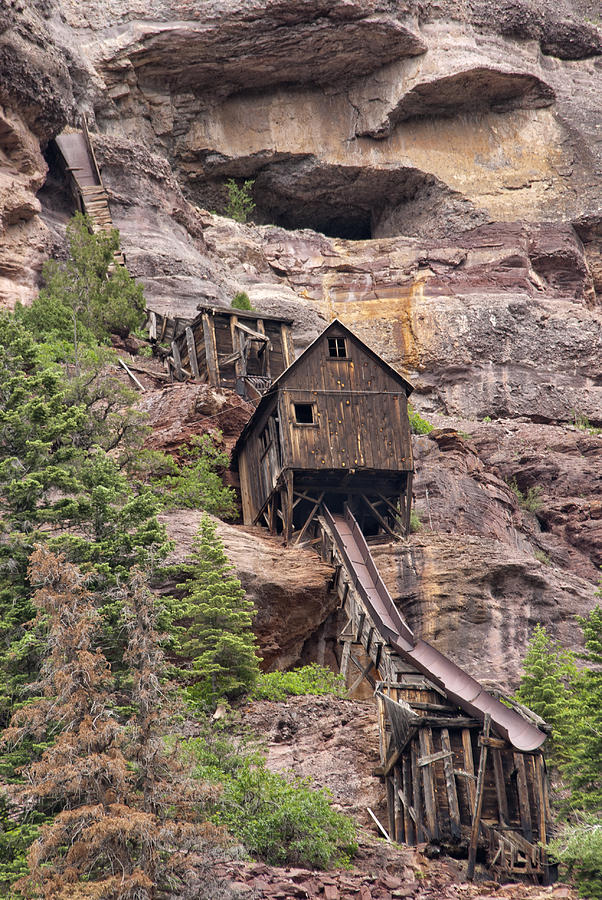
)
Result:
{"points": [[86, 182]]}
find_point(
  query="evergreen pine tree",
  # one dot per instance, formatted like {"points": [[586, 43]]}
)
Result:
{"points": [[215, 624]]}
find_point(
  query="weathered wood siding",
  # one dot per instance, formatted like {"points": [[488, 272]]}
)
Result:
{"points": [[221, 329], [360, 418], [259, 466]]}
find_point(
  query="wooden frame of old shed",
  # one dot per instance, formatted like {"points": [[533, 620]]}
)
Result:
{"points": [[333, 428], [237, 349]]}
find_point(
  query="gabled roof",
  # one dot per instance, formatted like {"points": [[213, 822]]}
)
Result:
{"points": [[335, 326]]}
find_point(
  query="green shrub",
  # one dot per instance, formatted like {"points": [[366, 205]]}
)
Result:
{"points": [[542, 557], [312, 679], [241, 301], [417, 423], [279, 818], [582, 423], [415, 523], [240, 203], [486, 420], [531, 501], [196, 483], [579, 849]]}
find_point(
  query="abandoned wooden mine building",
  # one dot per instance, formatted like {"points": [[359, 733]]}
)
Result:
{"points": [[333, 428], [237, 349]]}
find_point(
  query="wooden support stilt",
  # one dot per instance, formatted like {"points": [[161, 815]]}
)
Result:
{"points": [[409, 814], [478, 806], [308, 521], [500, 787], [408, 506], [523, 797], [211, 350], [450, 784], [194, 365], [399, 833], [416, 799], [425, 737]]}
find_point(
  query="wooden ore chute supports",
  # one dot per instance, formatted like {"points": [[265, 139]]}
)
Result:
{"points": [[460, 768]]}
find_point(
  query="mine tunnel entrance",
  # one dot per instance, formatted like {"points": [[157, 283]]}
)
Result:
{"points": [[350, 225]]}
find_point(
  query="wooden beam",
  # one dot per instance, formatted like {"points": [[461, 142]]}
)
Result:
{"points": [[469, 767], [131, 374], [420, 832], [523, 797], [399, 835], [211, 349], [345, 658], [308, 521], [177, 362], [363, 674], [152, 325], [500, 786], [450, 785], [478, 805], [408, 508], [390, 788], [288, 350], [409, 814], [286, 496], [379, 518], [194, 365], [425, 737]]}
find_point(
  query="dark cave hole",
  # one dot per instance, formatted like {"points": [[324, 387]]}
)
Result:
{"points": [[349, 225]]}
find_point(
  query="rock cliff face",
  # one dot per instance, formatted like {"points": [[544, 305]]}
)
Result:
{"points": [[429, 172]]}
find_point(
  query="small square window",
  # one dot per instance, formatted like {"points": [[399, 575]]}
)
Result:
{"points": [[304, 413], [337, 348]]}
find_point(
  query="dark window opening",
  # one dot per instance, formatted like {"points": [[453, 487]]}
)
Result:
{"points": [[337, 347], [304, 413]]}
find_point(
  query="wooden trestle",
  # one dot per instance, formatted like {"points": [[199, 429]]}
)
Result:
{"points": [[448, 780]]}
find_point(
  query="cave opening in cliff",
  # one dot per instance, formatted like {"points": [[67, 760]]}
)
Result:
{"points": [[347, 224]]}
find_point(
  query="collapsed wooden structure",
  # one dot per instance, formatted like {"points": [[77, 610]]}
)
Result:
{"points": [[237, 349], [332, 429]]}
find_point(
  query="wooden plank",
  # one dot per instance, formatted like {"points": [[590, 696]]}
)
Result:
{"points": [[390, 803], [399, 833], [382, 730], [211, 350], [131, 374], [409, 813], [363, 674], [408, 503], [379, 518], [379, 826], [416, 800], [469, 767], [523, 797], [309, 519], [427, 760], [192, 351], [345, 658], [392, 761], [450, 784], [500, 786], [425, 737], [478, 805], [493, 742], [288, 351]]}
